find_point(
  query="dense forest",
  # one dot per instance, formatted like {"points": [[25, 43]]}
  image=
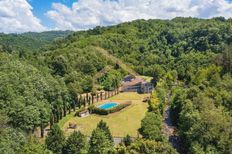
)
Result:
{"points": [[31, 42], [188, 58]]}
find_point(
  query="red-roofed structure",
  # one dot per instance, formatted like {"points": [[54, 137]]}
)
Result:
{"points": [[136, 84]]}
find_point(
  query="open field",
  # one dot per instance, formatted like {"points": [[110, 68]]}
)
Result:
{"points": [[126, 121]]}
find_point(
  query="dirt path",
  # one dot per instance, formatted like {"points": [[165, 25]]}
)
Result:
{"points": [[116, 60], [169, 129]]}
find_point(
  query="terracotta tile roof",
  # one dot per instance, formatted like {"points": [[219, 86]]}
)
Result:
{"points": [[133, 82]]}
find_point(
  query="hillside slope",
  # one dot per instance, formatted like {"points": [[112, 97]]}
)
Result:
{"points": [[117, 61], [29, 42]]}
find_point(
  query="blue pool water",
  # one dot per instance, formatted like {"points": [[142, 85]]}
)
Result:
{"points": [[108, 105]]}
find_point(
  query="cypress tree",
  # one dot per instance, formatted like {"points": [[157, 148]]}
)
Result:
{"points": [[101, 95], [51, 118], [97, 97], [92, 98]]}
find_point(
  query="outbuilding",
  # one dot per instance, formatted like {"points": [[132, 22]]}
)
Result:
{"points": [[84, 113]]}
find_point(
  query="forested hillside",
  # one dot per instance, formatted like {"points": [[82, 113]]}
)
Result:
{"points": [[30, 42], [188, 57], [155, 45]]}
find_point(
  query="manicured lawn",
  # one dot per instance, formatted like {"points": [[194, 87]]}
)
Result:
{"points": [[66, 119], [129, 96], [126, 121]]}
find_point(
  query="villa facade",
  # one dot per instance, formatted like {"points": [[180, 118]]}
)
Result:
{"points": [[136, 84]]}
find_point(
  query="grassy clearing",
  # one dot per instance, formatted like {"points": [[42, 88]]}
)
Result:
{"points": [[129, 96], [126, 121], [146, 78], [66, 119]]}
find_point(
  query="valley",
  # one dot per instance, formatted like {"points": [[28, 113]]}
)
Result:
{"points": [[178, 99]]}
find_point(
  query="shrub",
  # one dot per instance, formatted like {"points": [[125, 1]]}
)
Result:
{"points": [[97, 110], [119, 107]]}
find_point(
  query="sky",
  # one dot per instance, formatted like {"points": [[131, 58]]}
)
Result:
{"points": [[18, 16]]}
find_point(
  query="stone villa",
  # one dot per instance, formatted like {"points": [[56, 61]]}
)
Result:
{"points": [[136, 84]]}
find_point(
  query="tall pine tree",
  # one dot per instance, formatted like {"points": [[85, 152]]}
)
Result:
{"points": [[55, 140], [76, 144], [101, 141], [102, 125]]}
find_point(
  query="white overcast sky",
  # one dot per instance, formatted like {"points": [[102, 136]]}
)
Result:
{"points": [[18, 16]]}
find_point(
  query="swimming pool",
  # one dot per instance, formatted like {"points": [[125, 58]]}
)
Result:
{"points": [[108, 105]]}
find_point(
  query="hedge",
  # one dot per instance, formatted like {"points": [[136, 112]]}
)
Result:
{"points": [[96, 110]]}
